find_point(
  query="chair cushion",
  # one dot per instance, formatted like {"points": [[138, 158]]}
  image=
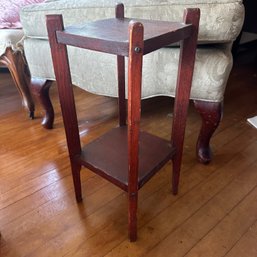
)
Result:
{"points": [[9, 38], [212, 68], [221, 20]]}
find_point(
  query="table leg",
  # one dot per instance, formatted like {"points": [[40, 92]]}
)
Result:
{"points": [[119, 14], [66, 96], [184, 82], [136, 32]]}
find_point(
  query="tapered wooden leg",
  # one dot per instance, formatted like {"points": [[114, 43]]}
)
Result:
{"points": [[184, 82], [16, 63], [121, 87], [40, 88], [66, 97], [75, 168], [119, 13], [211, 114], [136, 32]]}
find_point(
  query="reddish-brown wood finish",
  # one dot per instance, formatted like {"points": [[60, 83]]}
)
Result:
{"points": [[203, 148], [114, 165], [119, 14], [40, 89], [138, 155], [17, 65], [63, 78], [97, 36], [185, 75], [136, 49], [211, 113]]}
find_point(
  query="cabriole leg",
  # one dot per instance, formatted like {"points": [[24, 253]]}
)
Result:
{"points": [[40, 88], [211, 113], [16, 63]]}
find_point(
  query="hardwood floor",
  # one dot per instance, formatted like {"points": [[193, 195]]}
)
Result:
{"points": [[214, 214]]}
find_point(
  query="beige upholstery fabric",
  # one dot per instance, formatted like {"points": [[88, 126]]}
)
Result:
{"points": [[212, 68], [221, 21], [9, 38]]}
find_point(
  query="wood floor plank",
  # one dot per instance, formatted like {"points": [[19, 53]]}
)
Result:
{"points": [[247, 245], [222, 238], [50, 219], [200, 166], [40, 217], [163, 199], [186, 236], [181, 210], [105, 216]]}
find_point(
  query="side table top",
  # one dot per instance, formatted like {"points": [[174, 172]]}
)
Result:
{"points": [[112, 36]]}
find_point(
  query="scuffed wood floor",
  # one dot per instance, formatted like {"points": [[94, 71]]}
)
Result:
{"points": [[214, 214]]}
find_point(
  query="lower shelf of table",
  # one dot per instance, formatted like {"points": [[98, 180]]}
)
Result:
{"points": [[108, 156]]}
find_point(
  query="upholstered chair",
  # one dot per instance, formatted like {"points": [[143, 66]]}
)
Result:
{"points": [[221, 22]]}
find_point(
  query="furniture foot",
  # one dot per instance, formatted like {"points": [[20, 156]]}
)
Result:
{"points": [[75, 168], [211, 113], [40, 88], [16, 63]]}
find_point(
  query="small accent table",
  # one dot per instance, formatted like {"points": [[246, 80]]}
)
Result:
{"points": [[125, 156]]}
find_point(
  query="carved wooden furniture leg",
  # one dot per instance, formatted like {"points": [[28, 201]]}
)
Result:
{"points": [[15, 62], [211, 113], [40, 88]]}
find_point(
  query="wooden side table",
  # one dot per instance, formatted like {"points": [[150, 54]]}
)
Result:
{"points": [[138, 155]]}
